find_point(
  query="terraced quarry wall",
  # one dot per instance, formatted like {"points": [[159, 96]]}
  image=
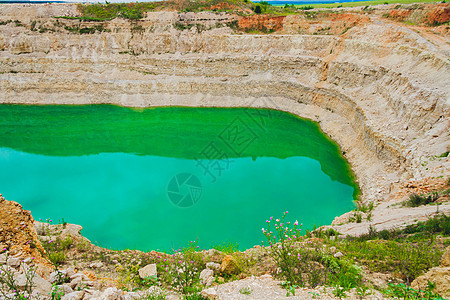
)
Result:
{"points": [[377, 87]]}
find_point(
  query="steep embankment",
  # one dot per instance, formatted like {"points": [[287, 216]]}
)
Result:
{"points": [[377, 87]]}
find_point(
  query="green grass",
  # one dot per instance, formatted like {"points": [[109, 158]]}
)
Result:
{"points": [[101, 12], [225, 247]]}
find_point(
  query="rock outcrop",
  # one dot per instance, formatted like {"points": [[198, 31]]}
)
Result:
{"points": [[18, 238], [438, 275]]}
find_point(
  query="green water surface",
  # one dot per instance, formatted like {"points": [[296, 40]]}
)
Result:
{"points": [[156, 178]]}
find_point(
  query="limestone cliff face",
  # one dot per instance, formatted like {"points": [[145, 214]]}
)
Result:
{"points": [[379, 89]]}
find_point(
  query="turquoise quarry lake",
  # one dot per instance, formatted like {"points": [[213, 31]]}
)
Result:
{"points": [[157, 178]]}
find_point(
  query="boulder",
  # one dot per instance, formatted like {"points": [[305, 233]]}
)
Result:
{"points": [[148, 271], [13, 262], [78, 295], [438, 275], [58, 276], [210, 293], [229, 265], [213, 266], [2, 259], [112, 294], [41, 285], [207, 277]]}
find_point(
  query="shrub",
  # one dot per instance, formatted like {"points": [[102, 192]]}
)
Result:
{"points": [[182, 269], [414, 259], [56, 293], [57, 258], [418, 200], [257, 9], [246, 290], [306, 264], [437, 224]]}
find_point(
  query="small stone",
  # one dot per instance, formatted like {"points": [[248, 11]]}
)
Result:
{"points": [[28, 260], [77, 280], [96, 265], [213, 266], [338, 255], [80, 276], [148, 271], [66, 289], [69, 272], [2, 259], [210, 293], [13, 262], [207, 277], [57, 276]]}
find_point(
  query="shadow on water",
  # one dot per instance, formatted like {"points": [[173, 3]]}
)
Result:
{"points": [[179, 132]]}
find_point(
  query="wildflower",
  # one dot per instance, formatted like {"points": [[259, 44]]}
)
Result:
{"points": [[296, 223], [271, 218], [278, 220]]}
